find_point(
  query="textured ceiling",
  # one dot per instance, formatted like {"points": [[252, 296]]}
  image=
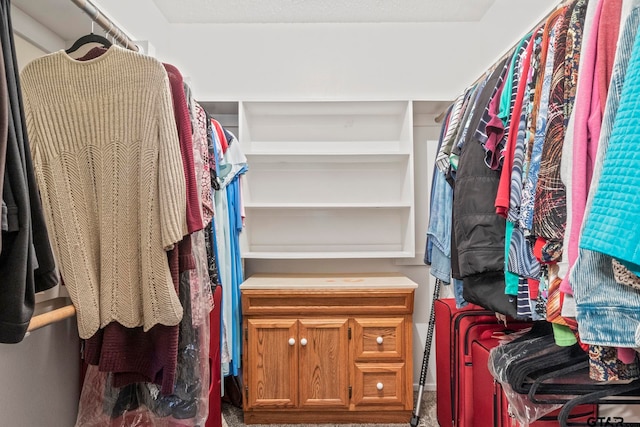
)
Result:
{"points": [[321, 11]]}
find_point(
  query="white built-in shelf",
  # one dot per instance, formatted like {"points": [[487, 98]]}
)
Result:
{"points": [[328, 179], [360, 253], [319, 156], [295, 205]]}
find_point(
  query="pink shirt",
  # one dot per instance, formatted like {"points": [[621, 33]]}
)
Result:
{"points": [[588, 120]]}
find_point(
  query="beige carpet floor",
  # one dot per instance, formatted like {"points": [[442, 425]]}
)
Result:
{"points": [[232, 416]]}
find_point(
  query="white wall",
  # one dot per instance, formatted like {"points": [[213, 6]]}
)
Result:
{"points": [[40, 375], [40, 378], [427, 61]]}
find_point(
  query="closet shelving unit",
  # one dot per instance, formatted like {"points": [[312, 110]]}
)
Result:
{"points": [[328, 179]]}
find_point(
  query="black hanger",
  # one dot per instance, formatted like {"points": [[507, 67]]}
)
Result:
{"points": [[89, 38]]}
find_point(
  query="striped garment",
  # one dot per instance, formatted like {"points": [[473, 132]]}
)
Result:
{"points": [[481, 132], [449, 145], [522, 261], [502, 196], [524, 73], [515, 192], [523, 302], [442, 159], [510, 94], [461, 137]]}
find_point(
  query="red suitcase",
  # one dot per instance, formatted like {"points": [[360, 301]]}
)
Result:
{"points": [[491, 404], [456, 329]]}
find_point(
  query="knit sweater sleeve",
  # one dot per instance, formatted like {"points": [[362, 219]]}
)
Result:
{"points": [[28, 119], [171, 181], [34, 148]]}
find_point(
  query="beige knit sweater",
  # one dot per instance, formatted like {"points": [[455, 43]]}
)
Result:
{"points": [[107, 161]]}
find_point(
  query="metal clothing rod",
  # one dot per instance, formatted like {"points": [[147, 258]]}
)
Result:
{"points": [[107, 24], [50, 317], [509, 52]]}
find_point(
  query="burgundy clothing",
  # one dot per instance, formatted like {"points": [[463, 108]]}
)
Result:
{"points": [[185, 133], [608, 30], [137, 356]]}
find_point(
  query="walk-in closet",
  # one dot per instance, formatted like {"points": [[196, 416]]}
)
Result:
{"points": [[286, 213]]}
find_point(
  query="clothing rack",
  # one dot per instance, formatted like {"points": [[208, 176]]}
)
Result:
{"points": [[107, 24], [509, 52], [50, 317]]}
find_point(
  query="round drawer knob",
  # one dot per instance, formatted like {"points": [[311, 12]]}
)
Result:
{"points": [[292, 341], [303, 342], [379, 386], [379, 340]]}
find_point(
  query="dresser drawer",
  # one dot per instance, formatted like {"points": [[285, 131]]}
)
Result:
{"points": [[379, 338], [379, 384]]}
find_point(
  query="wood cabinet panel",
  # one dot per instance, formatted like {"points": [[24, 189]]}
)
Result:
{"points": [[323, 371], [379, 384], [378, 338], [329, 301], [272, 373]]}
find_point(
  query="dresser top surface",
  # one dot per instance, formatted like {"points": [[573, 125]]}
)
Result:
{"points": [[320, 281]]}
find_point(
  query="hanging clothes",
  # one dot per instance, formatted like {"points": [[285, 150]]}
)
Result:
{"points": [[551, 161], [96, 187], [607, 230], [131, 354], [584, 143], [178, 355], [27, 264], [481, 251], [230, 164]]}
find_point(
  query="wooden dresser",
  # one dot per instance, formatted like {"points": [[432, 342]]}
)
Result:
{"points": [[327, 349]]}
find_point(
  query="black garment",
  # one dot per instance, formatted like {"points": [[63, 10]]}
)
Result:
{"points": [[209, 237], [212, 264], [479, 231], [184, 402], [455, 264], [4, 132], [215, 184], [26, 261]]}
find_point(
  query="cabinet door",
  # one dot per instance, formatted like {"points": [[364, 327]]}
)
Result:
{"points": [[324, 363], [272, 346]]}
